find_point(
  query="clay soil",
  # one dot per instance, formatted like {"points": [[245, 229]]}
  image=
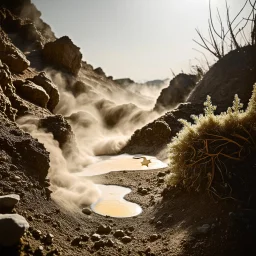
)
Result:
{"points": [[168, 224]]}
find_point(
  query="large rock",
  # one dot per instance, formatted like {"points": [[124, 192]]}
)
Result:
{"points": [[59, 127], [9, 201], [6, 89], [63, 54], [176, 92], [154, 136], [11, 55], [32, 92], [23, 12], [24, 150], [99, 71], [51, 89], [12, 228]]}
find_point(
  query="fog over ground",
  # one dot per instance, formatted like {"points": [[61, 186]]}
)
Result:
{"points": [[102, 118]]}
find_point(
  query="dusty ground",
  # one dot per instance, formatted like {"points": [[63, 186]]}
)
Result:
{"points": [[167, 226]]}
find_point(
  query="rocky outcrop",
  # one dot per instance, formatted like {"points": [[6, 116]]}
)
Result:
{"points": [[11, 55], [155, 135], [176, 92], [32, 92], [12, 228], [6, 90], [51, 89], [235, 73], [62, 53], [59, 127], [99, 71], [23, 150], [124, 81], [27, 11]]}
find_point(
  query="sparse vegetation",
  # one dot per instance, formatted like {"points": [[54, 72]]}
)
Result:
{"points": [[204, 155], [232, 35]]}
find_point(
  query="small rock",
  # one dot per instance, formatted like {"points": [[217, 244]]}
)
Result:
{"points": [[142, 191], [87, 211], [119, 233], [30, 218], [131, 228], [12, 228], [76, 241], [84, 238], [126, 239], [95, 237], [36, 233], [49, 238], [153, 237], [9, 201], [109, 243], [161, 174], [159, 223], [98, 244], [103, 229], [39, 251], [160, 180]]}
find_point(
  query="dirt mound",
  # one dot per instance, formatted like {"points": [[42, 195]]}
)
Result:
{"points": [[10, 55], [233, 74], [177, 91]]}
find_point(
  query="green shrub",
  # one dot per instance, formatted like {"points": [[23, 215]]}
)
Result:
{"points": [[203, 154]]}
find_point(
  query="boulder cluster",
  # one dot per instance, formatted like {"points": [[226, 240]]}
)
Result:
{"points": [[12, 225]]}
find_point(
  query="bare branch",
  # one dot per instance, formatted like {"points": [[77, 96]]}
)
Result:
{"points": [[230, 26]]}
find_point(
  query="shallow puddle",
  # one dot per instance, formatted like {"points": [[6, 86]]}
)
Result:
{"points": [[113, 204], [123, 162]]}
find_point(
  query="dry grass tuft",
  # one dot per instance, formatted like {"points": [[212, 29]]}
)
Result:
{"points": [[202, 154]]}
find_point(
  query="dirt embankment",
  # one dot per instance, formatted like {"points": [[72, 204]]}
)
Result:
{"points": [[173, 222]]}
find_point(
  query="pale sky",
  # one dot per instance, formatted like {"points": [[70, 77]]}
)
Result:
{"points": [[139, 39]]}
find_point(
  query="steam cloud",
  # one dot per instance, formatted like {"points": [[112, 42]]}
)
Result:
{"points": [[103, 116]]}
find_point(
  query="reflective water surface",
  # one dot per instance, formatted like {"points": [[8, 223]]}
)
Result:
{"points": [[113, 204], [123, 162]]}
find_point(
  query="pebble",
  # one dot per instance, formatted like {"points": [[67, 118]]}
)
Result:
{"points": [[153, 237], [76, 241], [39, 251], [110, 243], [161, 174], [36, 233], [99, 244], [49, 238], [87, 211], [119, 233], [126, 239], [84, 237], [95, 237], [103, 229]]}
